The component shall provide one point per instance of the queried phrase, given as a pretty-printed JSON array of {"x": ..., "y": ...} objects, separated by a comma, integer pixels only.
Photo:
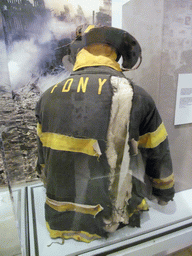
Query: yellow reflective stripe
[
  {"x": 66, "y": 143},
  {"x": 68, "y": 206},
  {"x": 39, "y": 129},
  {"x": 77, "y": 235},
  {"x": 163, "y": 183},
  {"x": 153, "y": 139},
  {"x": 143, "y": 206},
  {"x": 89, "y": 28}
]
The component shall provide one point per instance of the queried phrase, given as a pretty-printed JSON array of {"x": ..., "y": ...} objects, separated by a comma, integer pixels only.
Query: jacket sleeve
[
  {"x": 40, "y": 159},
  {"x": 153, "y": 143},
  {"x": 154, "y": 148}
]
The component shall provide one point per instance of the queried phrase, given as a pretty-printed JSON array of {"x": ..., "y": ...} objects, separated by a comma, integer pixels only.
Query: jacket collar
[{"x": 98, "y": 55}]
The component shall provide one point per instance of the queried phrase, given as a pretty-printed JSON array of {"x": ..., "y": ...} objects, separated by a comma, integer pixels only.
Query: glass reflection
[{"x": 35, "y": 64}]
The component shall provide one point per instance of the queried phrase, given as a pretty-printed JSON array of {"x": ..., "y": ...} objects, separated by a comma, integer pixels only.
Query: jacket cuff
[{"x": 164, "y": 194}]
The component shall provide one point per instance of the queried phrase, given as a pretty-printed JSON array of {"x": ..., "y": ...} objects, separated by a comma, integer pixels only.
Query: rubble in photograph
[{"x": 36, "y": 41}]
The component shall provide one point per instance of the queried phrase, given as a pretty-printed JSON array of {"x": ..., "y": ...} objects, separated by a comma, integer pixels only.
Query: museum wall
[{"x": 164, "y": 29}]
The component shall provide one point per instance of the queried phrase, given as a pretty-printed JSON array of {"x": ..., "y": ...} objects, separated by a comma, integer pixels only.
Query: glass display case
[{"x": 32, "y": 37}]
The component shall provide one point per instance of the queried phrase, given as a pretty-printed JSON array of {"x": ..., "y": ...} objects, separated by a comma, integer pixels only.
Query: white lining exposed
[{"x": 118, "y": 151}]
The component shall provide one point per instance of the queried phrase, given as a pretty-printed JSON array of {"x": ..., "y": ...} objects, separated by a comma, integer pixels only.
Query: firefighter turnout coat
[{"x": 91, "y": 128}]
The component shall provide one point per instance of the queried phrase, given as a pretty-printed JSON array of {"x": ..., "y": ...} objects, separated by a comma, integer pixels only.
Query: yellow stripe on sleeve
[
  {"x": 163, "y": 183},
  {"x": 153, "y": 139},
  {"x": 65, "y": 143}
]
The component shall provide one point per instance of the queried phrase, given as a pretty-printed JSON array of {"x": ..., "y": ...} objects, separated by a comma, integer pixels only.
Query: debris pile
[{"x": 18, "y": 134}]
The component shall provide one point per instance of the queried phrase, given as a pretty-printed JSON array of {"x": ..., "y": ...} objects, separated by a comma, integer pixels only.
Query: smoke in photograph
[
  {"x": 34, "y": 46},
  {"x": 37, "y": 34}
]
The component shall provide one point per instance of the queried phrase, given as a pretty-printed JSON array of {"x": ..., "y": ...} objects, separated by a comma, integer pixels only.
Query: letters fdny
[{"x": 81, "y": 85}]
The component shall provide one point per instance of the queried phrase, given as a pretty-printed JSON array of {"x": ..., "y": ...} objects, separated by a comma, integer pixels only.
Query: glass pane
[
  {"x": 9, "y": 238},
  {"x": 35, "y": 40}
]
